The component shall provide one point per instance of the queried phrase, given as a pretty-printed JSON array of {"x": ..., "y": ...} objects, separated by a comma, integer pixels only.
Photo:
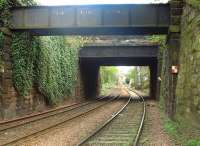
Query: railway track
[
  {"x": 9, "y": 124},
  {"x": 123, "y": 128},
  {"x": 17, "y": 130}
]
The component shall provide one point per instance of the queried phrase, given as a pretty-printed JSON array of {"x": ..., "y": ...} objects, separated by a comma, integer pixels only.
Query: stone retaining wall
[{"x": 188, "y": 87}]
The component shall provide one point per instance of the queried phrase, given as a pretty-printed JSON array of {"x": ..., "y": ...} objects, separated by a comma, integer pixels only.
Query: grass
[
  {"x": 106, "y": 88},
  {"x": 194, "y": 3},
  {"x": 173, "y": 130},
  {"x": 171, "y": 127},
  {"x": 193, "y": 142}
]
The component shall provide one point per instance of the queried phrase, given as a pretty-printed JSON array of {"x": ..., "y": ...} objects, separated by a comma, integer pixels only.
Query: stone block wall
[
  {"x": 181, "y": 91},
  {"x": 11, "y": 103},
  {"x": 188, "y": 86},
  {"x": 34, "y": 101},
  {"x": 8, "y": 99},
  {"x": 79, "y": 89},
  {"x": 171, "y": 57}
]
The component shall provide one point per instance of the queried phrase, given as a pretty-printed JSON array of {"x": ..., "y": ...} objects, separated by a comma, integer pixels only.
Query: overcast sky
[{"x": 84, "y": 2}]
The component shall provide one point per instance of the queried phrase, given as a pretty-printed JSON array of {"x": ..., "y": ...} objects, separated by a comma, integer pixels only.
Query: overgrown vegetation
[
  {"x": 23, "y": 58},
  {"x": 194, "y": 3},
  {"x": 50, "y": 63},
  {"x": 163, "y": 66},
  {"x": 173, "y": 129},
  {"x": 177, "y": 128},
  {"x": 109, "y": 78},
  {"x": 57, "y": 66},
  {"x": 139, "y": 78}
]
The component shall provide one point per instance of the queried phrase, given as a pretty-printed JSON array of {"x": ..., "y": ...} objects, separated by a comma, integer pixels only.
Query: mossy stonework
[
  {"x": 170, "y": 58},
  {"x": 183, "y": 50},
  {"x": 180, "y": 93},
  {"x": 188, "y": 87}
]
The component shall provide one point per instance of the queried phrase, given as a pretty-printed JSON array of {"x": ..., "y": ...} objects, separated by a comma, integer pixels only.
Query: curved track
[
  {"x": 120, "y": 129},
  {"x": 142, "y": 119},
  {"x": 33, "y": 127}
]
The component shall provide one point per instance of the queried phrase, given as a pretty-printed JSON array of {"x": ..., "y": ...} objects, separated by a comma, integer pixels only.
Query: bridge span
[
  {"x": 93, "y": 56},
  {"x": 123, "y": 19}
]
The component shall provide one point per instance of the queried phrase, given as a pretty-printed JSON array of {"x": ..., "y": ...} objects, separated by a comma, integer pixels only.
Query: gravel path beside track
[{"x": 153, "y": 132}]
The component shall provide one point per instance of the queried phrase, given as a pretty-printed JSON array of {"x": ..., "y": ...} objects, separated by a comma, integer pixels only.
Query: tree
[{"x": 109, "y": 77}]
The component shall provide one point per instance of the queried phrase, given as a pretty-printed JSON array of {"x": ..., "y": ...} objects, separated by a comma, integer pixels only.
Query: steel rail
[
  {"x": 139, "y": 132},
  {"x": 105, "y": 124},
  {"x": 43, "y": 115},
  {"x": 58, "y": 124},
  {"x": 115, "y": 116}
]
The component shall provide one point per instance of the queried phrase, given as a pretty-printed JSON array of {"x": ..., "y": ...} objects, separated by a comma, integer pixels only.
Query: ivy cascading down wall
[{"x": 43, "y": 69}]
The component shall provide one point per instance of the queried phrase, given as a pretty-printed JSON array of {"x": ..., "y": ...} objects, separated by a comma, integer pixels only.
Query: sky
[
  {"x": 85, "y": 2},
  {"x": 124, "y": 69}
]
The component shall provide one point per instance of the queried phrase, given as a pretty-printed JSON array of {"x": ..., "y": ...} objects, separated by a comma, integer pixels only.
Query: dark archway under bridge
[{"x": 93, "y": 56}]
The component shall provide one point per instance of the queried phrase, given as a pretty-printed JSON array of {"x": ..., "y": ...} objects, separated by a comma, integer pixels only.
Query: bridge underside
[
  {"x": 90, "y": 65},
  {"x": 126, "y": 19},
  {"x": 96, "y": 31}
]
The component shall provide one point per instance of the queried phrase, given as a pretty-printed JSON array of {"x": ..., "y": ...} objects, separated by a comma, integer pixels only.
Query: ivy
[
  {"x": 50, "y": 63},
  {"x": 23, "y": 57},
  {"x": 57, "y": 66}
]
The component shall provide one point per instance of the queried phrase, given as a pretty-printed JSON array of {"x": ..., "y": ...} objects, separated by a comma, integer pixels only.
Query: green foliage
[
  {"x": 57, "y": 66},
  {"x": 23, "y": 57},
  {"x": 163, "y": 67},
  {"x": 22, "y": 49},
  {"x": 158, "y": 39},
  {"x": 131, "y": 76},
  {"x": 27, "y": 2},
  {"x": 48, "y": 62},
  {"x": 4, "y": 12},
  {"x": 171, "y": 127},
  {"x": 194, "y": 3},
  {"x": 109, "y": 77},
  {"x": 139, "y": 78},
  {"x": 5, "y": 6},
  {"x": 193, "y": 142}
]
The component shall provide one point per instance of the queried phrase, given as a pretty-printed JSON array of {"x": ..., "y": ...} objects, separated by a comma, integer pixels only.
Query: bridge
[
  {"x": 126, "y": 19},
  {"x": 93, "y": 56}
]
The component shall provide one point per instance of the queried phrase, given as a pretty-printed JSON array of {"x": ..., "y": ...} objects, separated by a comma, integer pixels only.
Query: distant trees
[
  {"x": 109, "y": 77},
  {"x": 138, "y": 78}
]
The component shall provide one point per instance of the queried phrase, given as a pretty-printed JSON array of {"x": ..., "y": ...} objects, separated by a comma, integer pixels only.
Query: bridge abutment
[
  {"x": 12, "y": 103},
  {"x": 153, "y": 81},
  {"x": 90, "y": 79},
  {"x": 171, "y": 58},
  {"x": 9, "y": 99}
]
